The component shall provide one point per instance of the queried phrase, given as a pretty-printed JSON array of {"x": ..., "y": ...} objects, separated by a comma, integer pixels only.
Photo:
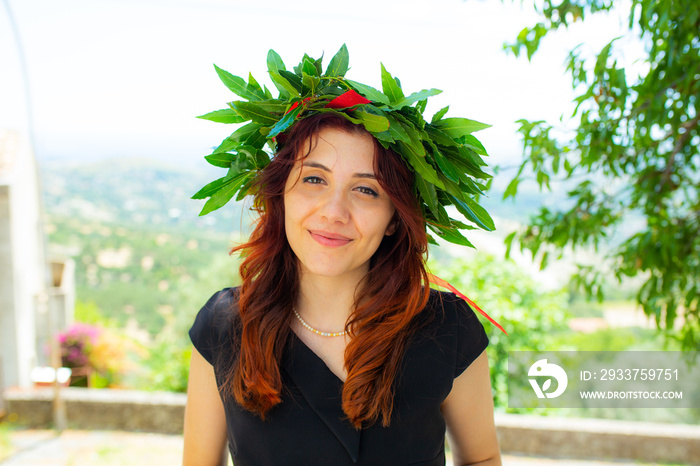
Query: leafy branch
[{"x": 640, "y": 133}]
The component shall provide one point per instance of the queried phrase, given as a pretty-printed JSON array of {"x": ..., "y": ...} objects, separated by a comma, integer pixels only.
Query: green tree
[{"x": 634, "y": 151}]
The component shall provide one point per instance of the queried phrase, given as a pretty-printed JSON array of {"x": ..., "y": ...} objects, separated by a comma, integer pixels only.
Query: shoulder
[
  {"x": 214, "y": 323},
  {"x": 220, "y": 307},
  {"x": 222, "y": 301},
  {"x": 455, "y": 321},
  {"x": 447, "y": 308}
]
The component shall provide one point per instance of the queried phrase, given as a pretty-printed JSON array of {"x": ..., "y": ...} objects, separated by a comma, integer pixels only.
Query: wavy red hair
[{"x": 385, "y": 307}]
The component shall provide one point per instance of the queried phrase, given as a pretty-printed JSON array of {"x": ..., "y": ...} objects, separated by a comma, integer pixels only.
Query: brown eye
[
  {"x": 312, "y": 180},
  {"x": 368, "y": 191}
]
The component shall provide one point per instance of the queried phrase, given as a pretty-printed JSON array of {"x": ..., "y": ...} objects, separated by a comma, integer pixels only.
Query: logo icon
[{"x": 542, "y": 368}]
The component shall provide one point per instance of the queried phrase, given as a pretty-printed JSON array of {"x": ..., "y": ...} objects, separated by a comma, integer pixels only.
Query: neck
[{"x": 326, "y": 302}]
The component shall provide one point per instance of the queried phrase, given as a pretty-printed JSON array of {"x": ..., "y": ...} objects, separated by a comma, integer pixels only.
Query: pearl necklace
[{"x": 317, "y": 332}]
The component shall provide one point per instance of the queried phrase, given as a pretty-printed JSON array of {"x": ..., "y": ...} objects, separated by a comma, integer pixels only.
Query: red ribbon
[
  {"x": 440, "y": 282},
  {"x": 296, "y": 104},
  {"x": 347, "y": 99}
]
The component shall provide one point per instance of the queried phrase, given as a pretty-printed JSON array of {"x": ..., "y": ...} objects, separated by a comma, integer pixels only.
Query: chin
[
  {"x": 326, "y": 272},
  {"x": 330, "y": 270}
]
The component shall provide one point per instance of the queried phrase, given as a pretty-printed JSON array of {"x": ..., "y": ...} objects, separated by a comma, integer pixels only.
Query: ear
[{"x": 391, "y": 228}]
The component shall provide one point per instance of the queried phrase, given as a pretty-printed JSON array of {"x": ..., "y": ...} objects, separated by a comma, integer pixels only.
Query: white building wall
[
  {"x": 59, "y": 312},
  {"x": 7, "y": 292},
  {"x": 24, "y": 274}
]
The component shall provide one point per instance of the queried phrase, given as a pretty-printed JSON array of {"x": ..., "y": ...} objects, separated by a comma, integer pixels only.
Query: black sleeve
[
  {"x": 471, "y": 337},
  {"x": 212, "y": 323}
]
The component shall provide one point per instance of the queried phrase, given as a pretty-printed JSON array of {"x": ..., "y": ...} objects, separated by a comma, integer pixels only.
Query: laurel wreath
[{"x": 443, "y": 153}]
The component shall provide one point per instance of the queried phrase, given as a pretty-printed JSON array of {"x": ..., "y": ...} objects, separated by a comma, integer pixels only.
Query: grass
[{"x": 6, "y": 447}]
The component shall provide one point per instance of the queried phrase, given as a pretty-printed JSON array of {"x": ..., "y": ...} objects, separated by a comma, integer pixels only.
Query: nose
[{"x": 334, "y": 207}]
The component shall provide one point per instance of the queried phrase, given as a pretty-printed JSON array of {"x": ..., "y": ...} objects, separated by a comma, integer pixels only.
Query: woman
[{"x": 334, "y": 350}]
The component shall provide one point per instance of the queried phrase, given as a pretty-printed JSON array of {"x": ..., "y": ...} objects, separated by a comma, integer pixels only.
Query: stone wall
[
  {"x": 130, "y": 410},
  {"x": 533, "y": 435},
  {"x": 599, "y": 438}
]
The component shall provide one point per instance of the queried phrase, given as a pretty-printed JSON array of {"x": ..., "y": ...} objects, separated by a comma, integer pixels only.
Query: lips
[{"x": 329, "y": 239}]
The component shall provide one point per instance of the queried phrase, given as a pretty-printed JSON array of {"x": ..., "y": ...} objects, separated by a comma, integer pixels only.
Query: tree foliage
[{"x": 634, "y": 153}]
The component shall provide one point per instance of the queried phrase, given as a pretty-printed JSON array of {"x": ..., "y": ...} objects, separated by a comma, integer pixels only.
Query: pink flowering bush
[
  {"x": 77, "y": 343},
  {"x": 94, "y": 353}
]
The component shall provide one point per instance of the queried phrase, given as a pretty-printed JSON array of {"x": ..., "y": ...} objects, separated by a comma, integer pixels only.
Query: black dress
[{"x": 309, "y": 427}]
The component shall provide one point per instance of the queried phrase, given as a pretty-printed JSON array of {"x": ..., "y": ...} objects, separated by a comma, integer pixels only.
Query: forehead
[{"x": 337, "y": 146}]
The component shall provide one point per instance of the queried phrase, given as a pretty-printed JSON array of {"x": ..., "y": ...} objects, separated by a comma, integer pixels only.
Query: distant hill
[
  {"x": 133, "y": 192},
  {"x": 143, "y": 256}
]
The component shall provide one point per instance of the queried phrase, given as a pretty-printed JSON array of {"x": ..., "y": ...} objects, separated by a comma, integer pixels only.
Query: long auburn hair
[{"x": 386, "y": 303}]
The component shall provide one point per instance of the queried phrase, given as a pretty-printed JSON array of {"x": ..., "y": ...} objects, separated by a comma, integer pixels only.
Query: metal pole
[{"x": 58, "y": 408}]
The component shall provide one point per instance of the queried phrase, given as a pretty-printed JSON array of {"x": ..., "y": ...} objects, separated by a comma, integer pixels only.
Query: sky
[{"x": 110, "y": 78}]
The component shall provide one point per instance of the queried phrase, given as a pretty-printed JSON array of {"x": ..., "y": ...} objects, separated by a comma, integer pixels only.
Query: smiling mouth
[{"x": 329, "y": 239}]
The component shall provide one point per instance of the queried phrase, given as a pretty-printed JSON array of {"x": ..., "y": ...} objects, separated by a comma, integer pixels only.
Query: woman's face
[{"x": 336, "y": 213}]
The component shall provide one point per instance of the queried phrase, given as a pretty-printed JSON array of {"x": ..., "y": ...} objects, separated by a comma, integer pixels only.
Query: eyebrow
[{"x": 324, "y": 168}]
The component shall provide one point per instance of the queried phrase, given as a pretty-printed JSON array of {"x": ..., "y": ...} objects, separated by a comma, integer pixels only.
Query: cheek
[
  {"x": 296, "y": 211},
  {"x": 291, "y": 228},
  {"x": 380, "y": 222},
  {"x": 288, "y": 215}
]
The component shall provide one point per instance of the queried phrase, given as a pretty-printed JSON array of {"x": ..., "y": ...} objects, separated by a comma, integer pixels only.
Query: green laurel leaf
[
  {"x": 397, "y": 131},
  {"x": 438, "y": 136},
  {"x": 391, "y": 87},
  {"x": 450, "y": 171},
  {"x": 250, "y": 111},
  {"x": 309, "y": 83},
  {"x": 244, "y": 160},
  {"x": 473, "y": 212},
  {"x": 245, "y": 133},
  {"x": 211, "y": 188},
  {"x": 308, "y": 66},
  {"x": 224, "y": 193},
  {"x": 227, "y": 144},
  {"x": 292, "y": 79},
  {"x": 439, "y": 114},
  {"x": 415, "y": 97},
  {"x": 253, "y": 84},
  {"x": 244, "y": 190},
  {"x": 474, "y": 144},
  {"x": 420, "y": 164},
  {"x": 368, "y": 91},
  {"x": 458, "y": 127},
  {"x": 372, "y": 123},
  {"x": 225, "y": 115},
  {"x": 283, "y": 85},
  {"x": 428, "y": 193},
  {"x": 416, "y": 142},
  {"x": 220, "y": 159},
  {"x": 274, "y": 62},
  {"x": 338, "y": 65},
  {"x": 452, "y": 235},
  {"x": 238, "y": 85},
  {"x": 285, "y": 122},
  {"x": 270, "y": 105}
]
